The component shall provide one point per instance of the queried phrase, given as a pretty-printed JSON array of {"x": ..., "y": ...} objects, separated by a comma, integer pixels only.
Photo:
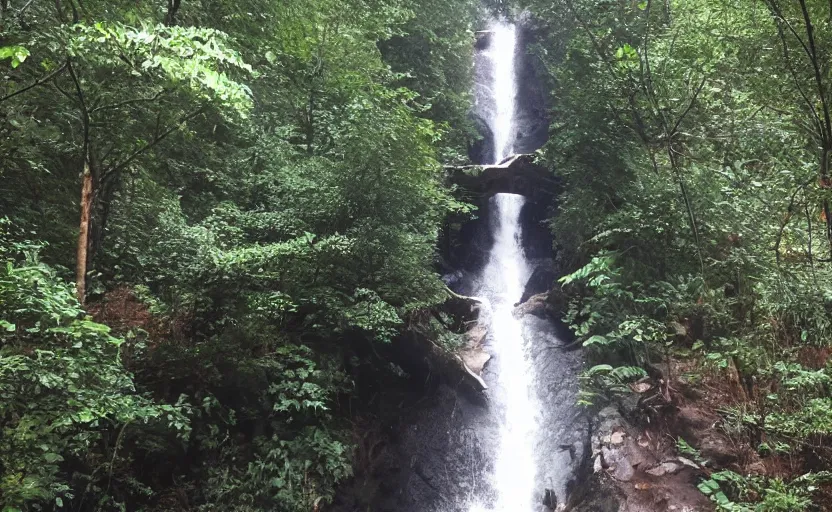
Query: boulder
[
  {"x": 458, "y": 281},
  {"x": 537, "y": 305},
  {"x": 716, "y": 447},
  {"x": 541, "y": 281},
  {"x": 452, "y": 367},
  {"x": 520, "y": 174},
  {"x": 475, "y": 359},
  {"x": 665, "y": 468}
]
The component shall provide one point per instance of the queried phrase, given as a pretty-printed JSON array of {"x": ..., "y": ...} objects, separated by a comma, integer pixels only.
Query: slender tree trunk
[
  {"x": 173, "y": 9},
  {"x": 84, "y": 232},
  {"x": 825, "y": 185}
]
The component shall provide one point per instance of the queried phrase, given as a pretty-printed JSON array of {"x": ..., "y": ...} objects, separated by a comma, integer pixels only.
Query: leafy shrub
[
  {"x": 732, "y": 492},
  {"x": 65, "y": 399}
]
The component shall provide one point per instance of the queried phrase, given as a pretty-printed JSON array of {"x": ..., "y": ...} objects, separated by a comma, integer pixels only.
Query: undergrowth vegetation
[
  {"x": 260, "y": 191},
  {"x": 693, "y": 142}
]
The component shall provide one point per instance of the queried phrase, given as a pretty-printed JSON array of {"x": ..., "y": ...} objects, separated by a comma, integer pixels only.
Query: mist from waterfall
[{"x": 503, "y": 281}]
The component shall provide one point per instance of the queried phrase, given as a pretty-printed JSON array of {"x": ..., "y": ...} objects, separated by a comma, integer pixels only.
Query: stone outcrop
[
  {"x": 461, "y": 368},
  {"x": 541, "y": 281},
  {"x": 451, "y": 366},
  {"x": 629, "y": 471},
  {"x": 519, "y": 174}
]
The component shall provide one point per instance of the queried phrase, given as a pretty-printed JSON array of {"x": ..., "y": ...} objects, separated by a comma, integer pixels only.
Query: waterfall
[
  {"x": 506, "y": 274},
  {"x": 518, "y": 445},
  {"x": 503, "y": 280},
  {"x": 501, "y": 52}
]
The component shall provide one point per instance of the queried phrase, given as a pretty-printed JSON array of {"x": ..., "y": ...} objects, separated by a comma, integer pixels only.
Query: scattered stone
[
  {"x": 617, "y": 437},
  {"x": 688, "y": 462},
  {"x": 620, "y": 465},
  {"x": 641, "y": 386},
  {"x": 541, "y": 280},
  {"x": 679, "y": 330},
  {"x": 665, "y": 468}
]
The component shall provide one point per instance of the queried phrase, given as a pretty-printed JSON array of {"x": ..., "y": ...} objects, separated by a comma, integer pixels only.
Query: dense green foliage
[
  {"x": 692, "y": 137},
  {"x": 265, "y": 187},
  {"x": 64, "y": 393}
]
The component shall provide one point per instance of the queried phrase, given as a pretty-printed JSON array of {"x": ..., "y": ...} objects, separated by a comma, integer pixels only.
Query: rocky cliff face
[{"x": 532, "y": 112}]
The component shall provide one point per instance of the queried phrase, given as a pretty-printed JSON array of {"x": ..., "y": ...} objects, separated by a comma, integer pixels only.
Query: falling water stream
[
  {"x": 503, "y": 281},
  {"x": 501, "y": 51},
  {"x": 504, "y": 277}
]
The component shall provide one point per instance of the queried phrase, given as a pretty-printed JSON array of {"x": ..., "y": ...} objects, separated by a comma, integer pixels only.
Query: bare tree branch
[
  {"x": 824, "y": 101},
  {"x": 787, "y": 57},
  {"x": 36, "y": 83},
  {"x": 690, "y": 106},
  {"x": 129, "y": 102},
  {"x": 159, "y": 138}
]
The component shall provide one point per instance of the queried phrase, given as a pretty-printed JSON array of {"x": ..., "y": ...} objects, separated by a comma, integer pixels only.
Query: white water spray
[
  {"x": 504, "y": 88},
  {"x": 504, "y": 278},
  {"x": 514, "y": 473}
]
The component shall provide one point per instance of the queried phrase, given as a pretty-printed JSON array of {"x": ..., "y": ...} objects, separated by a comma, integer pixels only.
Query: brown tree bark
[{"x": 84, "y": 233}]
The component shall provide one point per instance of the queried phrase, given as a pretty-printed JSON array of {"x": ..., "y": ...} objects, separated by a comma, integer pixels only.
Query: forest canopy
[
  {"x": 256, "y": 182},
  {"x": 692, "y": 139},
  {"x": 215, "y": 214}
]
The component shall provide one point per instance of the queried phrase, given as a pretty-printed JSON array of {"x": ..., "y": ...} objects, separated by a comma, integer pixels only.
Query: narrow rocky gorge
[{"x": 517, "y": 443}]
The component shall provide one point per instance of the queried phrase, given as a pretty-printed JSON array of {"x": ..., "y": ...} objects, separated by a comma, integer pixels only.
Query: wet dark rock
[
  {"x": 532, "y": 119},
  {"x": 630, "y": 407},
  {"x": 458, "y": 281},
  {"x": 481, "y": 149},
  {"x": 464, "y": 309},
  {"x": 450, "y": 366},
  {"x": 431, "y": 460},
  {"x": 563, "y": 439},
  {"x": 521, "y": 174},
  {"x": 473, "y": 246},
  {"x": 537, "y": 238},
  {"x": 537, "y": 305},
  {"x": 550, "y": 499},
  {"x": 541, "y": 281}
]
